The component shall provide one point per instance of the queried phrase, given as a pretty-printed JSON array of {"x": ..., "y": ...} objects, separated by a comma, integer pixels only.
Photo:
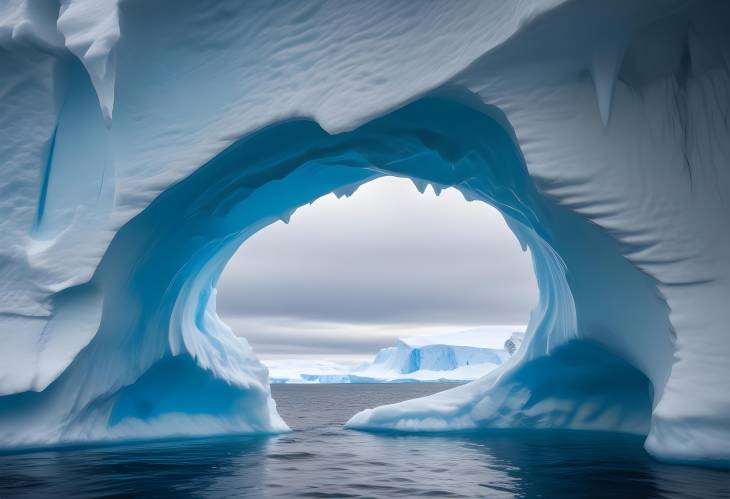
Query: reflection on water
[{"x": 320, "y": 459}]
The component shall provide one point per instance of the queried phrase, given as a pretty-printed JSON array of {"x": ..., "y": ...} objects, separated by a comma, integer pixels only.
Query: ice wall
[{"x": 145, "y": 141}]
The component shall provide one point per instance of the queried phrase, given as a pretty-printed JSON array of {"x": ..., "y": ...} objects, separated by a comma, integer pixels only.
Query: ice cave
[{"x": 144, "y": 142}]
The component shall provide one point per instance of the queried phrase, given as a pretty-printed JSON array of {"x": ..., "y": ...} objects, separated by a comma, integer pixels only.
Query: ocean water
[{"x": 321, "y": 459}]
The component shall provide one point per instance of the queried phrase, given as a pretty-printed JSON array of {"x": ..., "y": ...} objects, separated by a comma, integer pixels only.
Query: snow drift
[{"x": 143, "y": 142}]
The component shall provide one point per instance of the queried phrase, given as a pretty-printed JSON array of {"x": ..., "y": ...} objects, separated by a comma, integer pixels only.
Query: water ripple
[{"x": 321, "y": 459}]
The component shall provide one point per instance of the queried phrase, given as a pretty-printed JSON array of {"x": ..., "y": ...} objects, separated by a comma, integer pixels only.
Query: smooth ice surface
[{"x": 143, "y": 143}]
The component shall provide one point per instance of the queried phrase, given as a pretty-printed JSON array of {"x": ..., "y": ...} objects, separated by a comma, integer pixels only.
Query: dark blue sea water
[{"x": 321, "y": 459}]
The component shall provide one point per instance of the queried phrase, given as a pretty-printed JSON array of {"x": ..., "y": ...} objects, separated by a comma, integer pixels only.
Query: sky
[{"x": 346, "y": 277}]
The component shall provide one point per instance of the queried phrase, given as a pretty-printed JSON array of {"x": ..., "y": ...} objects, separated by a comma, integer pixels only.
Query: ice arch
[
  {"x": 162, "y": 362},
  {"x": 620, "y": 111}
]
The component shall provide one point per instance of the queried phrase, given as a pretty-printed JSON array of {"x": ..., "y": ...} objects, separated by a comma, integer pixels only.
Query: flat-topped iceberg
[
  {"x": 461, "y": 356},
  {"x": 451, "y": 357}
]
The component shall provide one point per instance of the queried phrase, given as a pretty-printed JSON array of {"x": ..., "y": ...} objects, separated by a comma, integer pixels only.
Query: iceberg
[
  {"x": 461, "y": 356},
  {"x": 144, "y": 142},
  {"x": 451, "y": 357},
  {"x": 307, "y": 371}
]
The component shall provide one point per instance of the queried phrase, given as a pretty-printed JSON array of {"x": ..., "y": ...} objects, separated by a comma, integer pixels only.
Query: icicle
[
  {"x": 287, "y": 216},
  {"x": 420, "y": 185},
  {"x": 605, "y": 66},
  {"x": 346, "y": 191}
]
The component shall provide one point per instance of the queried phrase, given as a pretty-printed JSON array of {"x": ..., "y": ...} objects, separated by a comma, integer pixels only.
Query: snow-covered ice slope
[{"x": 144, "y": 141}]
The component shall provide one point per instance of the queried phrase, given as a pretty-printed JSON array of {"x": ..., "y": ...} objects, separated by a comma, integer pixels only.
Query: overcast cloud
[{"x": 348, "y": 276}]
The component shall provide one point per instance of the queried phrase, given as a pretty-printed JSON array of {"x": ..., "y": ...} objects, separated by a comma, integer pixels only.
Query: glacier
[
  {"x": 144, "y": 142},
  {"x": 447, "y": 357}
]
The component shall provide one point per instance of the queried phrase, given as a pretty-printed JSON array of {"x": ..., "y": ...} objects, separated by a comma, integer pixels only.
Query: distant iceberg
[
  {"x": 307, "y": 371},
  {"x": 451, "y": 357},
  {"x": 461, "y": 356}
]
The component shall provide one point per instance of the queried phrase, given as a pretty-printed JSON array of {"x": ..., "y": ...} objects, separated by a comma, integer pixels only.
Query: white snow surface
[{"x": 619, "y": 111}]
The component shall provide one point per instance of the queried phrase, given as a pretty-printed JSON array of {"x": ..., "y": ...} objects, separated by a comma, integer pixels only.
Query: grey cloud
[
  {"x": 273, "y": 336},
  {"x": 386, "y": 255}
]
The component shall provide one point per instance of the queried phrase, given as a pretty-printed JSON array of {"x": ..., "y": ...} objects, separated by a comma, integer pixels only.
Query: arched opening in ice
[
  {"x": 386, "y": 285},
  {"x": 162, "y": 362}
]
